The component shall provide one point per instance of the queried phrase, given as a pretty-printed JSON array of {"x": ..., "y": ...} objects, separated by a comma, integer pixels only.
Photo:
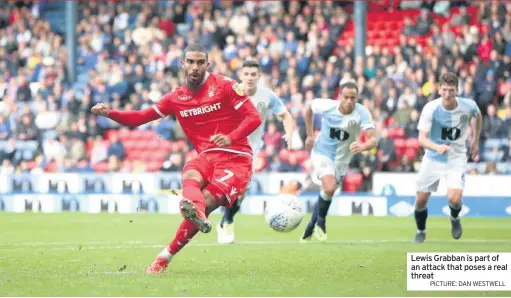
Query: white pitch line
[
  {"x": 110, "y": 273},
  {"x": 63, "y": 243},
  {"x": 140, "y": 244}
]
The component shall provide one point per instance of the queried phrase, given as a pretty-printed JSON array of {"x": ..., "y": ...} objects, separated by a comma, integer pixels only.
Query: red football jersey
[{"x": 210, "y": 110}]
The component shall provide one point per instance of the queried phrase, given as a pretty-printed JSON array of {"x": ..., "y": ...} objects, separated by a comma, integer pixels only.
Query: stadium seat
[
  {"x": 411, "y": 153},
  {"x": 284, "y": 155},
  {"x": 123, "y": 133},
  {"x": 51, "y": 167},
  {"x": 396, "y": 132},
  {"x": 413, "y": 143},
  {"x": 301, "y": 156},
  {"x": 130, "y": 144},
  {"x": 352, "y": 182},
  {"x": 31, "y": 164},
  {"x": 182, "y": 144},
  {"x": 399, "y": 144},
  {"x": 147, "y": 157},
  {"x": 100, "y": 167},
  {"x": 153, "y": 167},
  {"x": 153, "y": 144},
  {"x": 160, "y": 154}
]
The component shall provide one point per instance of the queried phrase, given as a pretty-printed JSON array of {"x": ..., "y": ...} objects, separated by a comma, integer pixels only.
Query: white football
[{"x": 284, "y": 213}]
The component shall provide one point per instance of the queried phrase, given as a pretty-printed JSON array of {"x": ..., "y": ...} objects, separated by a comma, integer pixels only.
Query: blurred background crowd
[{"x": 128, "y": 56}]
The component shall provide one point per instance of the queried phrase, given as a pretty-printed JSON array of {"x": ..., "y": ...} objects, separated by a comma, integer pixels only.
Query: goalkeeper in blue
[{"x": 333, "y": 149}]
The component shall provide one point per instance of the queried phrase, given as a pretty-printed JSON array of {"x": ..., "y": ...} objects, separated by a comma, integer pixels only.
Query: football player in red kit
[{"x": 217, "y": 117}]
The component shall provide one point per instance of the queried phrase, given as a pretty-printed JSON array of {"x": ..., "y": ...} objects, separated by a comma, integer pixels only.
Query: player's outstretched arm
[{"x": 126, "y": 118}]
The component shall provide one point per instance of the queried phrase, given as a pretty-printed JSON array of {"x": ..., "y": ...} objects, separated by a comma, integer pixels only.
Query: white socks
[{"x": 166, "y": 254}]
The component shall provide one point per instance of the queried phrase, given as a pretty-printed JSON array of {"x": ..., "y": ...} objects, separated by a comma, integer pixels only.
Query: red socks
[
  {"x": 184, "y": 234},
  {"x": 187, "y": 229},
  {"x": 192, "y": 192}
]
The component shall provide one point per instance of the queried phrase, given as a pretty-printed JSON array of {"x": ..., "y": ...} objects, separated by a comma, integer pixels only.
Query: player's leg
[
  {"x": 225, "y": 229},
  {"x": 455, "y": 204},
  {"x": 323, "y": 174},
  {"x": 193, "y": 204},
  {"x": 455, "y": 180},
  {"x": 193, "y": 208},
  {"x": 231, "y": 176},
  {"x": 421, "y": 215},
  {"x": 186, "y": 231},
  {"x": 229, "y": 213},
  {"x": 226, "y": 226},
  {"x": 428, "y": 180},
  {"x": 328, "y": 187}
]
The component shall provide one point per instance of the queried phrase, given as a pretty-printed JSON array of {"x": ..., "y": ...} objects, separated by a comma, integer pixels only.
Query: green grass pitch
[{"x": 106, "y": 255}]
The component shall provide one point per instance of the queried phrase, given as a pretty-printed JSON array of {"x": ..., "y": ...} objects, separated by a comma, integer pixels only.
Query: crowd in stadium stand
[{"x": 128, "y": 56}]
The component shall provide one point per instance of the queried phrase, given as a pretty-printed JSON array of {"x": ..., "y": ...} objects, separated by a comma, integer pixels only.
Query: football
[{"x": 284, "y": 213}]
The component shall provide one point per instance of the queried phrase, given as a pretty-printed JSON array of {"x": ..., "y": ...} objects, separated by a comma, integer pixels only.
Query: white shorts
[
  {"x": 322, "y": 166},
  {"x": 430, "y": 173}
]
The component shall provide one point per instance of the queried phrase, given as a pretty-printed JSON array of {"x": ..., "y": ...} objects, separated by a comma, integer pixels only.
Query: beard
[{"x": 194, "y": 80}]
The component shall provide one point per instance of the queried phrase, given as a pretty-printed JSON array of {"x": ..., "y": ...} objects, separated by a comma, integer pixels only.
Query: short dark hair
[
  {"x": 195, "y": 47},
  {"x": 349, "y": 85},
  {"x": 251, "y": 63},
  {"x": 449, "y": 79}
]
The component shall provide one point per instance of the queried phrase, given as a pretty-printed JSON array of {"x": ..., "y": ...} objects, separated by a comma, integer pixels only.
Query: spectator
[
  {"x": 388, "y": 152},
  {"x": 461, "y": 18},
  {"x": 491, "y": 124},
  {"x": 486, "y": 91},
  {"x": 77, "y": 150},
  {"x": 491, "y": 168},
  {"x": 6, "y": 168},
  {"x": 424, "y": 22},
  {"x": 406, "y": 165},
  {"x": 53, "y": 149},
  {"x": 273, "y": 137},
  {"x": 368, "y": 163},
  {"x": 114, "y": 164},
  {"x": 411, "y": 130},
  {"x": 505, "y": 127},
  {"x": 289, "y": 166},
  {"x": 130, "y": 56},
  {"x": 174, "y": 162},
  {"x": 99, "y": 151},
  {"x": 402, "y": 115},
  {"x": 27, "y": 129},
  {"x": 409, "y": 27},
  {"x": 5, "y": 129},
  {"x": 83, "y": 166},
  {"x": 116, "y": 147}
]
